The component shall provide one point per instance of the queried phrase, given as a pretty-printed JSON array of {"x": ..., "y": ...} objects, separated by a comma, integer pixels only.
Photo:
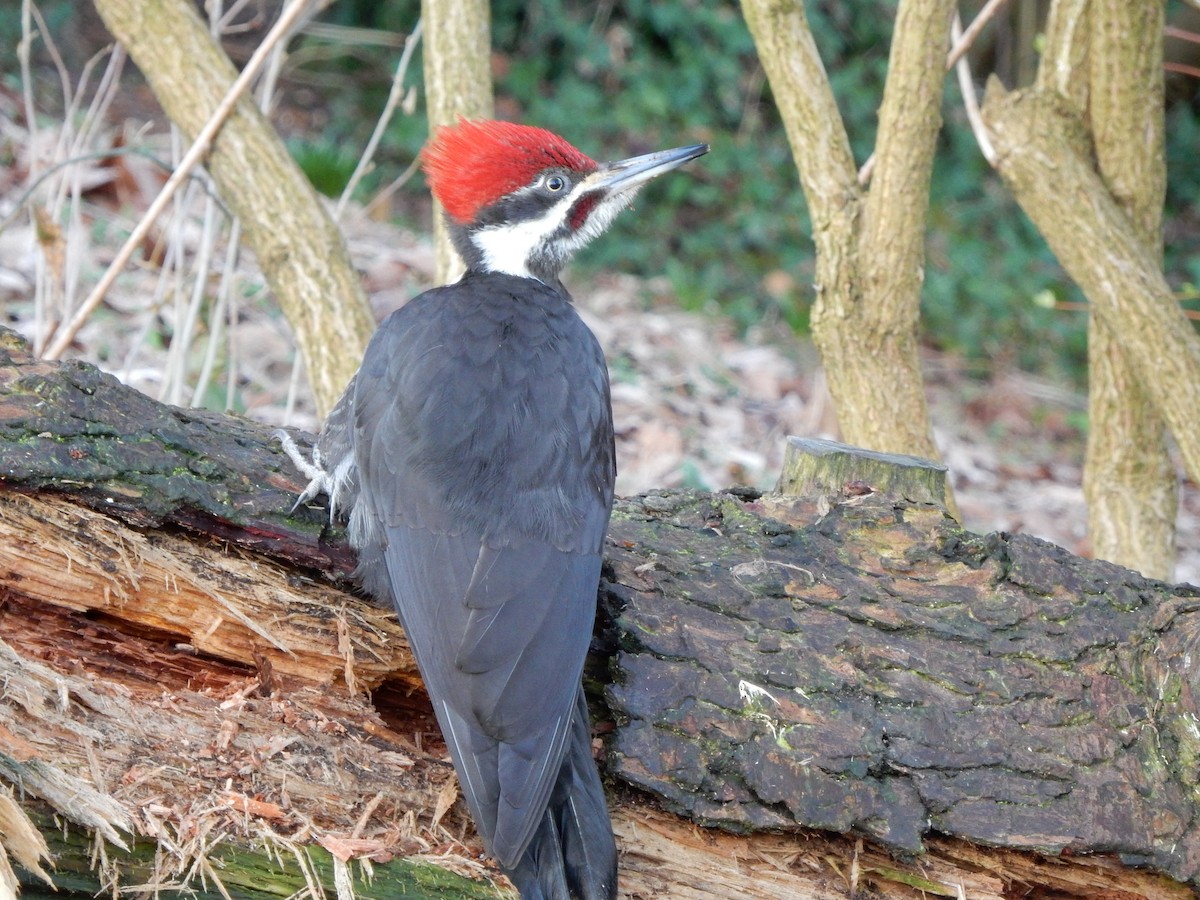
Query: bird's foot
[{"x": 319, "y": 480}]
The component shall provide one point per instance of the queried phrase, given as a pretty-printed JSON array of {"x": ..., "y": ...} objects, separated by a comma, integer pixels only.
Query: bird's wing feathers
[
  {"x": 504, "y": 725},
  {"x": 506, "y": 666},
  {"x": 483, "y": 442}
]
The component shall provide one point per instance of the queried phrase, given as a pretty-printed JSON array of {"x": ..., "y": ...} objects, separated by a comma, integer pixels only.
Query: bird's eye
[{"x": 555, "y": 183}]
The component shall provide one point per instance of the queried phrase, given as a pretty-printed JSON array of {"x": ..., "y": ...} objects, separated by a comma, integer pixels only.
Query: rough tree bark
[
  {"x": 1129, "y": 476},
  {"x": 182, "y": 678},
  {"x": 299, "y": 248},
  {"x": 1044, "y": 155},
  {"x": 1104, "y": 59},
  {"x": 870, "y": 243},
  {"x": 458, "y": 84}
]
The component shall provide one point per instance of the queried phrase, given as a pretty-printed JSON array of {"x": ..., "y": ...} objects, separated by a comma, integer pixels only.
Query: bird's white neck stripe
[{"x": 508, "y": 248}]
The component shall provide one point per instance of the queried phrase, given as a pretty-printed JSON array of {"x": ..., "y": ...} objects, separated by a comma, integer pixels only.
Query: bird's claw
[{"x": 319, "y": 480}]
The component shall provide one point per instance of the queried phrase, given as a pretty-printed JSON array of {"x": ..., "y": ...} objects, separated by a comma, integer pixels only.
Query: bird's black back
[{"x": 482, "y": 448}]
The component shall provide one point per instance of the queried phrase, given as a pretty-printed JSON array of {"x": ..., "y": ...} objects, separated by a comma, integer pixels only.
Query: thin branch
[
  {"x": 395, "y": 96},
  {"x": 962, "y": 43},
  {"x": 64, "y": 76},
  {"x": 190, "y": 160},
  {"x": 24, "y": 50},
  {"x": 1182, "y": 33},
  {"x": 966, "y": 87},
  {"x": 1182, "y": 69},
  {"x": 106, "y": 153},
  {"x": 397, "y": 183}
]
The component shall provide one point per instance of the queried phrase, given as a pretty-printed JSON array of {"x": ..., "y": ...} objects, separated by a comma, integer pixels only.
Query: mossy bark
[
  {"x": 1044, "y": 153},
  {"x": 244, "y": 872},
  {"x": 1129, "y": 475},
  {"x": 299, "y": 248},
  {"x": 1102, "y": 67}
]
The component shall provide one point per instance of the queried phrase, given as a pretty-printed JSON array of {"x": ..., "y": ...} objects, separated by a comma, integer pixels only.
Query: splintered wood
[
  {"x": 213, "y": 599},
  {"x": 150, "y": 754}
]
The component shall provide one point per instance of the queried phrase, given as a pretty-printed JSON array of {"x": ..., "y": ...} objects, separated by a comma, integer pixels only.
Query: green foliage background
[
  {"x": 731, "y": 233},
  {"x": 619, "y": 78}
]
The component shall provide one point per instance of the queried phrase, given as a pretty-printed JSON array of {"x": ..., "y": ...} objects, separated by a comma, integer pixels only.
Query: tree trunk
[
  {"x": 458, "y": 84},
  {"x": 870, "y": 244},
  {"x": 299, "y": 248},
  {"x": 1043, "y": 153},
  {"x": 1103, "y": 63},
  {"x": 182, "y": 678},
  {"x": 1129, "y": 476}
]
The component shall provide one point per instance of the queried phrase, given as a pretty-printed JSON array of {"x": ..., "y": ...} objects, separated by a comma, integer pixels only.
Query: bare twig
[
  {"x": 966, "y": 87},
  {"x": 398, "y": 182},
  {"x": 1182, "y": 69},
  {"x": 221, "y": 312},
  {"x": 962, "y": 43},
  {"x": 192, "y": 158},
  {"x": 85, "y": 136},
  {"x": 175, "y": 373},
  {"x": 1182, "y": 33},
  {"x": 56, "y": 57},
  {"x": 395, "y": 96},
  {"x": 966, "y": 40},
  {"x": 105, "y": 153},
  {"x": 24, "y": 49}
]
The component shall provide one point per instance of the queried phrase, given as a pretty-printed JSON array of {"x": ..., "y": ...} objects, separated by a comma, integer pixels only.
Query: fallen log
[{"x": 852, "y": 694}]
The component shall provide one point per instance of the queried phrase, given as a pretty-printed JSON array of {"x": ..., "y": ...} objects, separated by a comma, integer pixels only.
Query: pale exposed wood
[
  {"x": 148, "y": 754},
  {"x": 299, "y": 248},
  {"x": 820, "y": 468},
  {"x": 152, "y": 746},
  {"x": 214, "y": 599},
  {"x": 20, "y": 842},
  {"x": 766, "y": 666},
  {"x": 1084, "y": 876},
  {"x": 666, "y": 858}
]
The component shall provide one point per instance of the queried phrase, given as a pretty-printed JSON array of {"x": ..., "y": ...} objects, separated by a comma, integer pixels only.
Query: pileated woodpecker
[{"x": 473, "y": 451}]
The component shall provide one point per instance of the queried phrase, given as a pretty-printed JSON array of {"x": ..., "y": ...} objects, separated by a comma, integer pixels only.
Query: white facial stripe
[{"x": 507, "y": 248}]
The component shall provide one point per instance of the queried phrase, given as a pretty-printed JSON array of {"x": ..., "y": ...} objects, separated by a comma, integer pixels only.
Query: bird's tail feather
[{"x": 572, "y": 855}]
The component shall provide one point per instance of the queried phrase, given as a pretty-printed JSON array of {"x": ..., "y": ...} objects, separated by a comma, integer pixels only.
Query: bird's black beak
[{"x": 629, "y": 174}]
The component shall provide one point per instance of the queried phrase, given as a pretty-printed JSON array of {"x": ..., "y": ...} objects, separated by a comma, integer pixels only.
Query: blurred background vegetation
[{"x": 619, "y": 77}]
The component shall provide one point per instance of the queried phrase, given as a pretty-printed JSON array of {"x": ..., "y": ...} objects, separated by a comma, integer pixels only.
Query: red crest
[{"x": 474, "y": 163}]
